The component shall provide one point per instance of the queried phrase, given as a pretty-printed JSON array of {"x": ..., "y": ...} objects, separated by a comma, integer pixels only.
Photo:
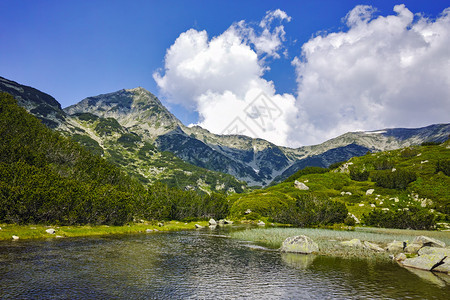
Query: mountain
[
  {"x": 123, "y": 124},
  {"x": 137, "y": 109},
  {"x": 40, "y": 104},
  {"x": 102, "y": 134}
]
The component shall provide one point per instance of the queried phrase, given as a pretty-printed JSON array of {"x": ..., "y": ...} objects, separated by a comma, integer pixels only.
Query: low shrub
[
  {"x": 393, "y": 180},
  {"x": 414, "y": 218},
  {"x": 359, "y": 175}
]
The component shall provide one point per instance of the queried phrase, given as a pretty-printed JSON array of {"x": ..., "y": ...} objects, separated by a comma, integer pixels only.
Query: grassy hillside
[{"x": 404, "y": 188}]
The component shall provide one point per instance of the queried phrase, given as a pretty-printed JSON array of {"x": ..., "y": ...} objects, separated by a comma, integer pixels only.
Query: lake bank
[
  {"x": 329, "y": 241},
  {"x": 7, "y": 231}
]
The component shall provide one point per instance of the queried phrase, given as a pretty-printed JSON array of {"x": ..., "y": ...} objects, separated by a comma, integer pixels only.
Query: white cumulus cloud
[
  {"x": 382, "y": 71},
  {"x": 221, "y": 78},
  {"x": 391, "y": 71}
]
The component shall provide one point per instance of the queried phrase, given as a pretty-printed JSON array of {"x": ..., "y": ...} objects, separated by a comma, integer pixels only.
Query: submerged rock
[{"x": 299, "y": 244}]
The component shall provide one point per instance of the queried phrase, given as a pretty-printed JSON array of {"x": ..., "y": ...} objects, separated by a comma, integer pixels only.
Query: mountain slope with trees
[
  {"x": 48, "y": 178},
  {"x": 404, "y": 188}
]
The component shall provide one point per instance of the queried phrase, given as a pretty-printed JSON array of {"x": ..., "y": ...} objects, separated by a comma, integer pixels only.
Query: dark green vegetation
[
  {"x": 47, "y": 178},
  {"x": 405, "y": 188}
]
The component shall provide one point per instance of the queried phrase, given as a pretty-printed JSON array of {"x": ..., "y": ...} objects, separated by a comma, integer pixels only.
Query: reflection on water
[{"x": 197, "y": 264}]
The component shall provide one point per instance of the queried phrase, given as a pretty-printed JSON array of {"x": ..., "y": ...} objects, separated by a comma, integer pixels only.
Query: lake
[{"x": 196, "y": 264}]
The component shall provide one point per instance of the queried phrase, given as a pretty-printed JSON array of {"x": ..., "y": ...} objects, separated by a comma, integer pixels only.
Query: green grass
[
  {"x": 38, "y": 231},
  {"x": 328, "y": 239}
]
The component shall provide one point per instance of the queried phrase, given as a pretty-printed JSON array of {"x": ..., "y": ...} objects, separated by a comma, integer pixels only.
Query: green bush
[
  {"x": 336, "y": 165},
  {"x": 129, "y": 140},
  {"x": 359, "y": 175},
  {"x": 415, "y": 218},
  {"x": 398, "y": 179},
  {"x": 443, "y": 165},
  {"x": 383, "y": 163},
  {"x": 306, "y": 171},
  {"x": 316, "y": 210}
]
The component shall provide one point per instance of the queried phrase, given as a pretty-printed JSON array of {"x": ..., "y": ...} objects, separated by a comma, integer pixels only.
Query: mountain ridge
[{"x": 140, "y": 115}]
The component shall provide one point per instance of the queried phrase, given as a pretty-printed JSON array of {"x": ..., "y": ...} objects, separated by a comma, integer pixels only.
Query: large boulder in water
[{"x": 299, "y": 244}]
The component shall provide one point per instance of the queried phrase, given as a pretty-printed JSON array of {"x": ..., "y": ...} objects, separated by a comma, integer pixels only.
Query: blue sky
[{"x": 76, "y": 49}]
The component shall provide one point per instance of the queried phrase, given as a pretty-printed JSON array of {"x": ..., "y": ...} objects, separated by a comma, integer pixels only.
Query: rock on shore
[{"x": 299, "y": 244}]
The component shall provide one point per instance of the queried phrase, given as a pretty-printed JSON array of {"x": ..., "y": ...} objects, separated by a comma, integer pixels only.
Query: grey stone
[
  {"x": 413, "y": 248},
  {"x": 15, "y": 237},
  {"x": 353, "y": 243},
  {"x": 445, "y": 267},
  {"x": 198, "y": 226},
  {"x": 424, "y": 262},
  {"x": 50, "y": 231},
  {"x": 370, "y": 191},
  {"x": 299, "y": 244},
  {"x": 212, "y": 222},
  {"x": 400, "y": 257},
  {"x": 434, "y": 250},
  {"x": 395, "y": 246},
  {"x": 261, "y": 223},
  {"x": 372, "y": 246},
  {"x": 427, "y": 241},
  {"x": 301, "y": 186}
]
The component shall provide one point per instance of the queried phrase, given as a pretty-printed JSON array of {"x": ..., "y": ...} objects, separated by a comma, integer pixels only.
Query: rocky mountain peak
[{"x": 136, "y": 109}]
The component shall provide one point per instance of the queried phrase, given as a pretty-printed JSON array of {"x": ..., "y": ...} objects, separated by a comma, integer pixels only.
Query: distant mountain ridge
[{"x": 143, "y": 119}]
